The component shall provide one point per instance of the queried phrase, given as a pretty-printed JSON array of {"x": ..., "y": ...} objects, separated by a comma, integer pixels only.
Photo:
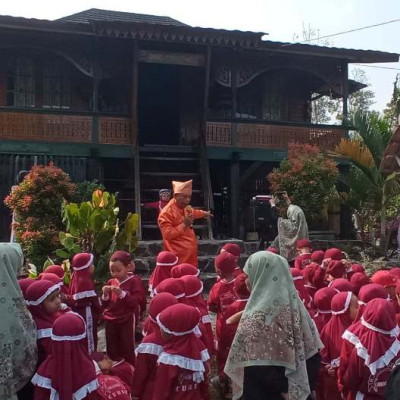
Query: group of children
[
  {"x": 172, "y": 360},
  {"x": 356, "y": 318}
]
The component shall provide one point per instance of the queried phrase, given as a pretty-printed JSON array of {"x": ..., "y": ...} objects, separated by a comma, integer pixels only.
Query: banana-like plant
[
  {"x": 369, "y": 187},
  {"x": 93, "y": 226}
]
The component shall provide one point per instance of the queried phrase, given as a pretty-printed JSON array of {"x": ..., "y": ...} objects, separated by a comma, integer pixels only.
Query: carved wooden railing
[
  {"x": 270, "y": 136},
  {"x": 57, "y": 127},
  {"x": 115, "y": 130}
]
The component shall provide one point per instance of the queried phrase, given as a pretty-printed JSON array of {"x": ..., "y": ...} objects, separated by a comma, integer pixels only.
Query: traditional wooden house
[{"x": 138, "y": 100}]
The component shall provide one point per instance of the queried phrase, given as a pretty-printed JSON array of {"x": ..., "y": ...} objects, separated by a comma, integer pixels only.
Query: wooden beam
[
  {"x": 168, "y": 57},
  {"x": 135, "y": 133},
  {"x": 234, "y": 83},
  {"x": 235, "y": 194},
  {"x": 345, "y": 82}
]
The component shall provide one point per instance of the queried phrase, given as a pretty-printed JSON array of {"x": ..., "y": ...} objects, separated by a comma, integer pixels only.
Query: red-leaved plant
[
  {"x": 36, "y": 205},
  {"x": 308, "y": 176}
]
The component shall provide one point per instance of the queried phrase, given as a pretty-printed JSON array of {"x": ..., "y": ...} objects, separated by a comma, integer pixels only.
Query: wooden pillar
[
  {"x": 134, "y": 131},
  {"x": 235, "y": 194},
  {"x": 234, "y": 83},
  {"x": 345, "y": 84}
]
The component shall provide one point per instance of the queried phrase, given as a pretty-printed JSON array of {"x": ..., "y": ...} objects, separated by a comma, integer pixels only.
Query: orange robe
[{"x": 178, "y": 238}]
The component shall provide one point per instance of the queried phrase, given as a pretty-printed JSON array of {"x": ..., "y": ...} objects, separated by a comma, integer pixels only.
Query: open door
[{"x": 158, "y": 104}]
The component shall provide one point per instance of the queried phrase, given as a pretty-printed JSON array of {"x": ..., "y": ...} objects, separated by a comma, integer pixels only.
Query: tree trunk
[{"x": 382, "y": 238}]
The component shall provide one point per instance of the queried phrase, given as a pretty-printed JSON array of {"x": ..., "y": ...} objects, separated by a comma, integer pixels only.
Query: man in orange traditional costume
[{"x": 176, "y": 223}]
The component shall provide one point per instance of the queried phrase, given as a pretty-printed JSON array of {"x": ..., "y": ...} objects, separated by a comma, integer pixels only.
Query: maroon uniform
[{"x": 119, "y": 316}]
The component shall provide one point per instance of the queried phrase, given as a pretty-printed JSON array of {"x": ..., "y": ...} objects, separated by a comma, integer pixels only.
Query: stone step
[{"x": 147, "y": 251}]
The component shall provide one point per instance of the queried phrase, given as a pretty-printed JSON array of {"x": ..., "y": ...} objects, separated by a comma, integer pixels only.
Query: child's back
[{"x": 182, "y": 369}]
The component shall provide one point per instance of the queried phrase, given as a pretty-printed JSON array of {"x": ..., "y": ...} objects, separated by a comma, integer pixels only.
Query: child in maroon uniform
[
  {"x": 304, "y": 248},
  {"x": 121, "y": 369},
  {"x": 82, "y": 297},
  {"x": 181, "y": 372},
  {"x": 68, "y": 372},
  {"x": 322, "y": 302},
  {"x": 317, "y": 256},
  {"x": 193, "y": 297},
  {"x": 140, "y": 294},
  {"x": 376, "y": 349},
  {"x": 235, "y": 250},
  {"x": 149, "y": 350},
  {"x": 121, "y": 301},
  {"x": 222, "y": 294},
  {"x": 44, "y": 304},
  {"x": 229, "y": 330},
  {"x": 165, "y": 262}
]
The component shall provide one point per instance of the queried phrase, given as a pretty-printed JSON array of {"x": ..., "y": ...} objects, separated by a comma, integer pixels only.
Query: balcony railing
[
  {"x": 272, "y": 136},
  {"x": 57, "y": 127}
]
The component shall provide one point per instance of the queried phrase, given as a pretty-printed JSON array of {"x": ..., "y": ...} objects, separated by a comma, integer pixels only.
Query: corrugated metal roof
[{"x": 95, "y": 14}]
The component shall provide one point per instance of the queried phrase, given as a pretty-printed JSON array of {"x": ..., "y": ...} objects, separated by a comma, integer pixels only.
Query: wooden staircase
[{"x": 158, "y": 167}]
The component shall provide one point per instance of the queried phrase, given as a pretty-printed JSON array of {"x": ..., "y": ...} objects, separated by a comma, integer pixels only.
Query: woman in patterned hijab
[
  {"x": 18, "y": 354},
  {"x": 276, "y": 346}
]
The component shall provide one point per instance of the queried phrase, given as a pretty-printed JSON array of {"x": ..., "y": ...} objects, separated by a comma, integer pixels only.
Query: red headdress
[
  {"x": 184, "y": 269},
  {"x": 368, "y": 293},
  {"x": 173, "y": 286},
  {"x": 384, "y": 278},
  {"x": 193, "y": 290},
  {"x": 341, "y": 285},
  {"x": 304, "y": 243},
  {"x": 165, "y": 262},
  {"x": 272, "y": 249},
  {"x": 395, "y": 272},
  {"x": 233, "y": 249},
  {"x": 184, "y": 350},
  {"x": 322, "y": 301},
  {"x": 122, "y": 256},
  {"x": 331, "y": 334},
  {"x": 225, "y": 262},
  {"x": 48, "y": 276},
  {"x": 358, "y": 280},
  {"x": 334, "y": 254},
  {"x": 152, "y": 342},
  {"x": 56, "y": 269},
  {"x": 317, "y": 256},
  {"x": 298, "y": 281},
  {"x": 240, "y": 286},
  {"x": 375, "y": 336},
  {"x": 82, "y": 285},
  {"x": 336, "y": 269},
  {"x": 24, "y": 284},
  {"x": 68, "y": 372},
  {"x": 354, "y": 269},
  {"x": 36, "y": 294}
]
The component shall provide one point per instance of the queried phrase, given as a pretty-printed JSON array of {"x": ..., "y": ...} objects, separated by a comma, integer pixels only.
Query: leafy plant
[
  {"x": 36, "y": 204},
  {"x": 309, "y": 177},
  {"x": 93, "y": 226},
  {"x": 370, "y": 190},
  {"x": 85, "y": 189}
]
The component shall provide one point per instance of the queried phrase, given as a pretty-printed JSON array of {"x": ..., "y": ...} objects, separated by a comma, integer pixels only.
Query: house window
[
  {"x": 56, "y": 85},
  {"x": 21, "y": 83},
  {"x": 275, "y": 98}
]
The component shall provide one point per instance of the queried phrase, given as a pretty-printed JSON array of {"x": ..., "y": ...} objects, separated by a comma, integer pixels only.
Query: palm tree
[{"x": 369, "y": 187}]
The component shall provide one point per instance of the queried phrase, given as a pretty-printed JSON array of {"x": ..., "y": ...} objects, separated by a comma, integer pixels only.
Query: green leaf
[
  {"x": 85, "y": 211},
  {"x": 62, "y": 254}
]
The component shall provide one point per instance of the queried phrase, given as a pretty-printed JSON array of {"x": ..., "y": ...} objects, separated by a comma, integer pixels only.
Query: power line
[
  {"x": 377, "y": 66},
  {"x": 344, "y": 32}
]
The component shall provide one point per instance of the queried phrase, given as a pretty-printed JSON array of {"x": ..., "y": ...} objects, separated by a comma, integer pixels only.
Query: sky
[{"x": 283, "y": 20}]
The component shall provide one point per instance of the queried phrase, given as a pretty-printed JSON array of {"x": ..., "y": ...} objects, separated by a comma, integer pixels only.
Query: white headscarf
[
  {"x": 18, "y": 355},
  {"x": 275, "y": 328},
  {"x": 291, "y": 230}
]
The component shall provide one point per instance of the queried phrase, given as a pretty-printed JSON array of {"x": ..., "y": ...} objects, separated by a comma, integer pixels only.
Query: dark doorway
[{"x": 158, "y": 104}]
